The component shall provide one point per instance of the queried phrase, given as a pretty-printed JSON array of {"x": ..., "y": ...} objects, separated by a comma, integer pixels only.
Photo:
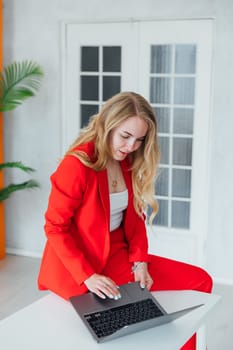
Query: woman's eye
[{"x": 125, "y": 136}]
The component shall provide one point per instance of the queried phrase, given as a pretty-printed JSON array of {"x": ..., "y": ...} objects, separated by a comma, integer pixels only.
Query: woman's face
[{"x": 127, "y": 137}]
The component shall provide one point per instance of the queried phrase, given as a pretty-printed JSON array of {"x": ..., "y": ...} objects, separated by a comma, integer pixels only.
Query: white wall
[{"x": 32, "y": 30}]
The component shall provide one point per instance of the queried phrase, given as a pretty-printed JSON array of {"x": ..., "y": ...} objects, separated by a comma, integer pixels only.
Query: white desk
[{"x": 51, "y": 323}]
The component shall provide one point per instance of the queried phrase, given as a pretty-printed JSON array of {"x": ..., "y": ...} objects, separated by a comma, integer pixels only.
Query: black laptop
[{"x": 137, "y": 310}]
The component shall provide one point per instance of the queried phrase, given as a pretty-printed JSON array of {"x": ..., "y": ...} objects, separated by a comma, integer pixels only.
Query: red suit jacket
[{"x": 77, "y": 226}]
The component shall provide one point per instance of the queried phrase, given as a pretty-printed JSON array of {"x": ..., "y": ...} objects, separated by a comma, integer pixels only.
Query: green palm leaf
[
  {"x": 18, "y": 81},
  {"x": 6, "y": 192},
  {"x": 18, "y": 165}
]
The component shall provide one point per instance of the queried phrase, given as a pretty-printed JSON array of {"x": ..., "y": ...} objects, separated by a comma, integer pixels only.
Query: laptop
[{"x": 137, "y": 310}]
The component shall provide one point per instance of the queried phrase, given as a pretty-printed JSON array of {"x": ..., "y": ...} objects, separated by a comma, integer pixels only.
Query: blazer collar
[{"x": 104, "y": 192}]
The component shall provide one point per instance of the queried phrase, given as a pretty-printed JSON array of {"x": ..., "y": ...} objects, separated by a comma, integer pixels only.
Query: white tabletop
[{"x": 51, "y": 323}]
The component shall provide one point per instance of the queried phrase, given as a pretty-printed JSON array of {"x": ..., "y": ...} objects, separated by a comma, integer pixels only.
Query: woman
[{"x": 95, "y": 221}]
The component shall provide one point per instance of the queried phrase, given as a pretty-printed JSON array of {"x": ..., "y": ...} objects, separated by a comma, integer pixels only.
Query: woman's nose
[{"x": 130, "y": 145}]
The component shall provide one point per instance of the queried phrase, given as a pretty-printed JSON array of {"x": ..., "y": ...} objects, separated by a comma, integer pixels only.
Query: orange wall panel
[{"x": 2, "y": 224}]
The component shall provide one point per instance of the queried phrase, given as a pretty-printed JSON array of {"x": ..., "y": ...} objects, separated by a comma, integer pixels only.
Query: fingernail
[
  {"x": 111, "y": 296},
  {"x": 143, "y": 286}
]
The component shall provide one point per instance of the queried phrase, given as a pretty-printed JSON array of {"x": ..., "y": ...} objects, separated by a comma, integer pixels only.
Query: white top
[{"x": 118, "y": 203}]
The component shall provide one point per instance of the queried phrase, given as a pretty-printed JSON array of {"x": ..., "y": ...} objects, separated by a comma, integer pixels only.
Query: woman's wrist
[{"x": 137, "y": 264}]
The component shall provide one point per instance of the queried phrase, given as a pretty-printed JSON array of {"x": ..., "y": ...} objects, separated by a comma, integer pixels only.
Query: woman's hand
[
  {"x": 102, "y": 286},
  {"x": 142, "y": 275}
]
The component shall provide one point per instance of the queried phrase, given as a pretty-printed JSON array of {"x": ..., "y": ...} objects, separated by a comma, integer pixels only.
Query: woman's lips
[{"x": 124, "y": 154}]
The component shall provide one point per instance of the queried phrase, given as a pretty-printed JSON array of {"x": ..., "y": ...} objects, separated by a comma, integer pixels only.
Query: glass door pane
[
  {"x": 100, "y": 78},
  {"x": 172, "y": 91}
]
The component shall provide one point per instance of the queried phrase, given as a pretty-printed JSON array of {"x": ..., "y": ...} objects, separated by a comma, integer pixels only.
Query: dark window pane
[
  {"x": 184, "y": 91},
  {"x": 164, "y": 149},
  {"x": 89, "y": 88},
  {"x": 163, "y": 119},
  {"x": 161, "y": 185},
  {"x": 185, "y": 59},
  {"x": 181, "y": 183},
  {"x": 112, "y": 59},
  {"x": 89, "y": 59},
  {"x": 183, "y": 121},
  {"x": 160, "y": 90},
  {"x": 180, "y": 214},
  {"x": 161, "y": 58},
  {"x": 111, "y": 86},
  {"x": 182, "y": 151},
  {"x": 86, "y": 112}
]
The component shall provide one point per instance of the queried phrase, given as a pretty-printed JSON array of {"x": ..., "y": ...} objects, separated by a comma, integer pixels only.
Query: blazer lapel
[
  {"x": 104, "y": 196},
  {"x": 104, "y": 192}
]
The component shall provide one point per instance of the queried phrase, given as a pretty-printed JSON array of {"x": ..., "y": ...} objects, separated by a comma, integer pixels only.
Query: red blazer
[{"x": 77, "y": 226}]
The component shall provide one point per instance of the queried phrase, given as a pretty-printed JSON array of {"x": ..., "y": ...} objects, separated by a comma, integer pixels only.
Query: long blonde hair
[{"x": 144, "y": 161}]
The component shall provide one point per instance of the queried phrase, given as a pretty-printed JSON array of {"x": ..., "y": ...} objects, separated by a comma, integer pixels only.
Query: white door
[
  {"x": 175, "y": 58},
  {"x": 169, "y": 62}
]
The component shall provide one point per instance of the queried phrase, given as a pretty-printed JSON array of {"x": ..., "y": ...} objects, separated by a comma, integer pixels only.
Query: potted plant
[{"x": 18, "y": 81}]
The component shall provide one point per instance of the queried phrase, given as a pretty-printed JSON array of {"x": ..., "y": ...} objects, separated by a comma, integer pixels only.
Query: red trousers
[{"x": 167, "y": 274}]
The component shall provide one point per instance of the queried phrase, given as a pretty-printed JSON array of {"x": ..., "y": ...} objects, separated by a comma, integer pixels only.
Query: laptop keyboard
[{"x": 107, "y": 322}]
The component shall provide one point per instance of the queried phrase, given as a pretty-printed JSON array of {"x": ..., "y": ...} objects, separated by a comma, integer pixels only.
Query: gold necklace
[
  {"x": 114, "y": 184},
  {"x": 113, "y": 180}
]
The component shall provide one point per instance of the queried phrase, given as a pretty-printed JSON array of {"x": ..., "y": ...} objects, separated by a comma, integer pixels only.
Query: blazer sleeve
[{"x": 68, "y": 185}]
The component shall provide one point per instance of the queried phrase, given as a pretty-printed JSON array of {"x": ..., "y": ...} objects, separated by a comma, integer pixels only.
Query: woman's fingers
[
  {"x": 146, "y": 283},
  {"x": 149, "y": 283},
  {"x": 102, "y": 286},
  {"x": 142, "y": 275},
  {"x": 111, "y": 290}
]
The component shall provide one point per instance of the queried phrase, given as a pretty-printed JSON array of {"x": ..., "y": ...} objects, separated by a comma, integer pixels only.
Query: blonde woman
[{"x": 95, "y": 221}]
